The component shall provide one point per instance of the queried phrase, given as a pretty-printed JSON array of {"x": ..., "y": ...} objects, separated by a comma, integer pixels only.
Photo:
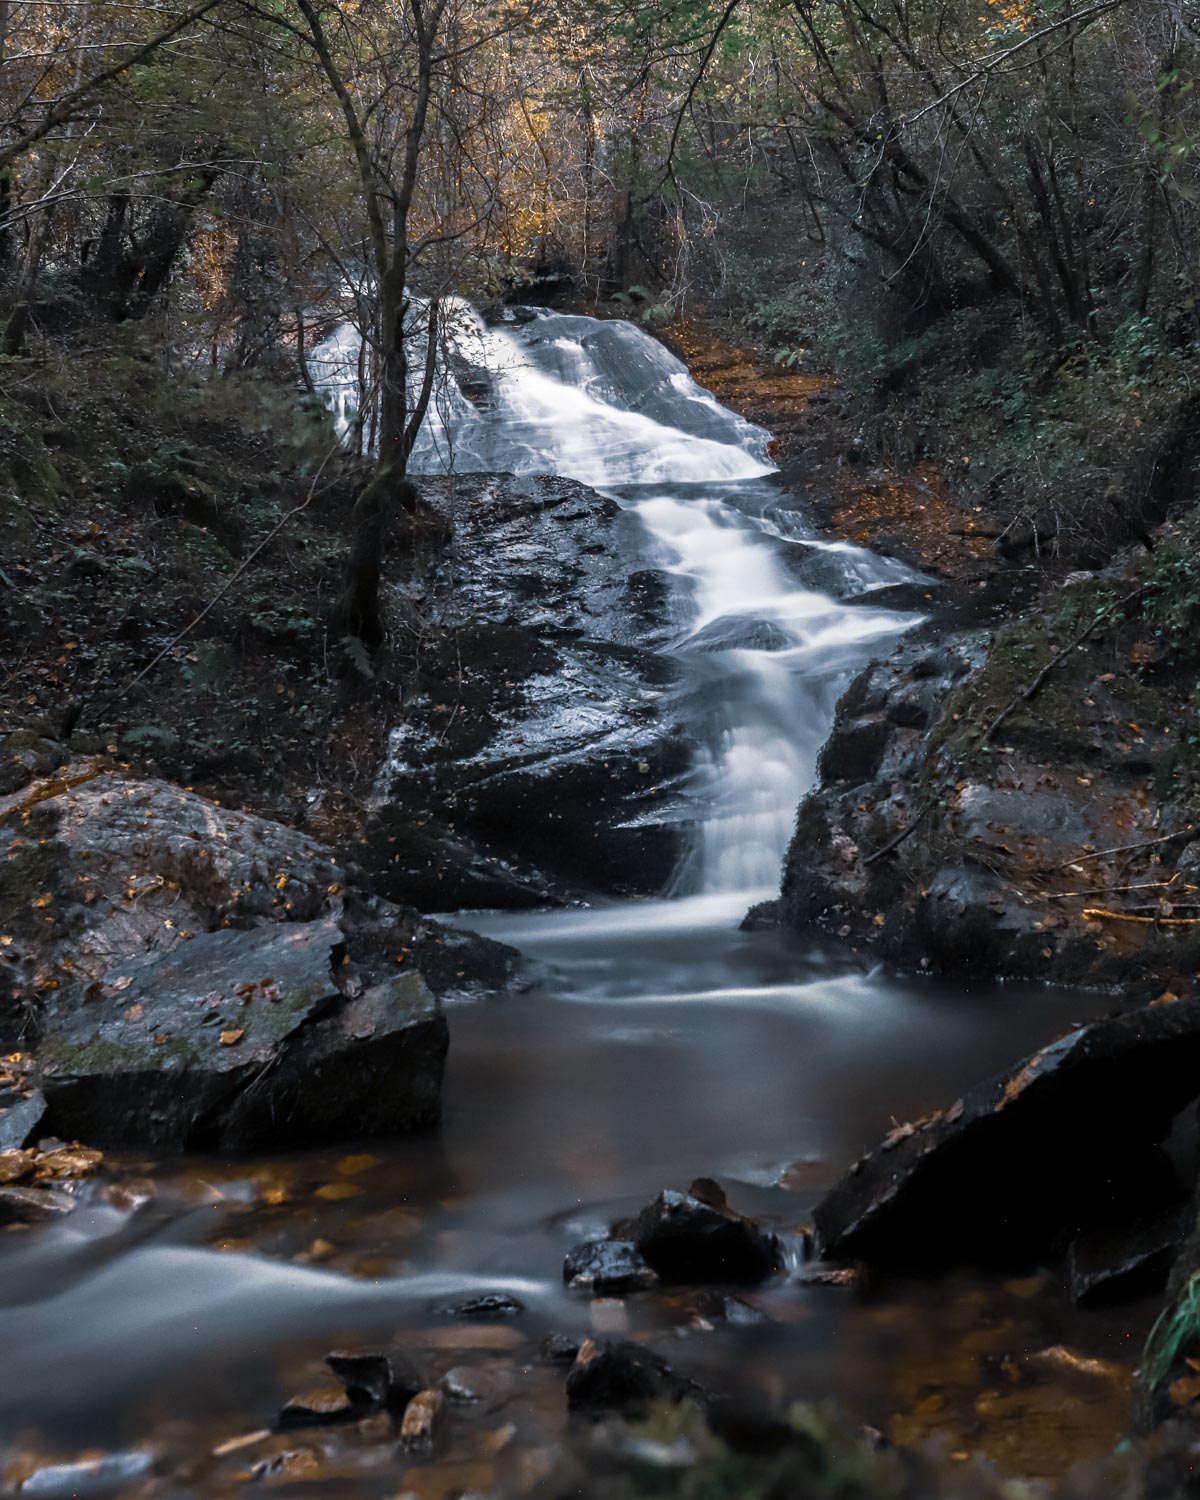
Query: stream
[{"x": 666, "y": 1043}]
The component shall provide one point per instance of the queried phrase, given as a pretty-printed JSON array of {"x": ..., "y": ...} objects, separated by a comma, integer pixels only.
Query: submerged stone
[{"x": 329, "y": 1402}]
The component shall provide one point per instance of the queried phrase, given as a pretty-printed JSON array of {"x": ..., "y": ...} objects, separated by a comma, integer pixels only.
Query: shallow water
[{"x": 663, "y": 1043}]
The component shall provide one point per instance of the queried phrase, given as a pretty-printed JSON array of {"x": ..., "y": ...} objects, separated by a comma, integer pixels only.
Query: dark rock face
[
  {"x": 615, "y": 1375},
  {"x": 697, "y": 1237},
  {"x": 532, "y": 761},
  {"x": 608, "y": 1267},
  {"x": 1066, "y": 1144},
  {"x": 200, "y": 977},
  {"x": 979, "y": 797}
]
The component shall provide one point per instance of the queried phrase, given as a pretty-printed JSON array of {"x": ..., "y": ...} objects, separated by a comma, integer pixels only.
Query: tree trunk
[{"x": 18, "y": 319}]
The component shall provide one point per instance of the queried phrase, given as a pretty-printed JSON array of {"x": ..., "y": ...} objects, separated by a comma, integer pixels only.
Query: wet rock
[
  {"x": 259, "y": 995},
  {"x": 388, "y": 1379},
  {"x": 294, "y": 1465},
  {"x": 22, "y": 1203},
  {"x": 532, "y": 763},
  {"x": 1131, "y": 1260},
  {"x": 741, "y": 1314},
  {"x": 90, "y": 1476},
  {"x": 488, "y": 1305},
  {"x": 239, "y": 1038},
  {"x": 20, "y": 1116},
  {"x": 328, "y": 1402},
  {"x": 1032, "y": 1158},
  {"x": 740, "y": 633},
  {"x": 855, "y": 749},
  {"x": 615, "y": 1375},
  {"x": 608, "y": 1266},
  {"x": 472, "y": 1385},
  {"x": 959, "y": 790},
  {"x": 696, "y": 1236},
  {"x": 422, "y": 1419}
]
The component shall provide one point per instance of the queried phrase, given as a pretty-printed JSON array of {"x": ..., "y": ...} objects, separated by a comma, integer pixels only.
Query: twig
[
  {"x": 904, "y": 833},
  {"x": 1127, "y": 848},
  {"x": 1109, "y": 890},
  {"x": 1026, "y": 693},
  {"x": 1125, "y": 916}
]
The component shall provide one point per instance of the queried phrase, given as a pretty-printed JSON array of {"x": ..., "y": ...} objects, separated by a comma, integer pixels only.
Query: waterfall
[{"x": 605, "y": 403}]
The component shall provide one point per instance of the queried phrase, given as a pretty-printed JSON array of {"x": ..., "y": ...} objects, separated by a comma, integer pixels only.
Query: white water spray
[{"x": 605, "y": 403}]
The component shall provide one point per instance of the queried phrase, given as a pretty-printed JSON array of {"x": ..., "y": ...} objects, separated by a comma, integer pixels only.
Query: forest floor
[{"x": 909, "y": 514}]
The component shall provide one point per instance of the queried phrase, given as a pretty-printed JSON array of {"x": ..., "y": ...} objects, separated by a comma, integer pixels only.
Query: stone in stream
[
  {"x": 389, "y": 1379},
  {"x": 477, "y": 1385},
  {"x": 422, "y": 1419},
  {"x": 256, "y": 996},
  {"x": 26, "y": 1203},
  {"x": 559, "y": 1349},
  {"x": 488, "y": 1305},
  {"x": 696, "y": 1237},
  {"x": 239, "y": 1038},
  {"x": 89, "y": 1476},
  {"x": 608, "y": 1267},
  {"x": 1065, "y": 1143}
]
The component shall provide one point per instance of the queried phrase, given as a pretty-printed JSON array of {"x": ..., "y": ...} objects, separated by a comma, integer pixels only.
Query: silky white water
[{"x": 605, "y": 403}]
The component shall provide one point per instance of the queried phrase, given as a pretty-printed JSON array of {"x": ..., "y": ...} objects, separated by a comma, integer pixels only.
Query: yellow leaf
[
  {"x": 231, "y": 1038},
  {"x": 332, "y": 1191}
]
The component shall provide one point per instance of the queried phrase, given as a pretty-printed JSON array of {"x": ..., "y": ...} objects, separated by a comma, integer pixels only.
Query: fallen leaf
[
  {"x": 351, "y": 1166},
  {"x": 231, "y": 1038},
  {"x": 332, "y": 1191}
]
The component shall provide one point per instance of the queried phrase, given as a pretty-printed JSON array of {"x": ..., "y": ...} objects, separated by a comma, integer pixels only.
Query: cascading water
[
  {"x": 605, "y": 403},
  {"x": 699, "y": 1048}
]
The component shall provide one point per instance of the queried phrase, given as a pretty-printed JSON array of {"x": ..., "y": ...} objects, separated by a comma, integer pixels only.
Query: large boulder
[
  {"x": 191, "y": 975},
  {"x": 537, "y": 759},
  {"x": 1065, "y": 1144}
]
